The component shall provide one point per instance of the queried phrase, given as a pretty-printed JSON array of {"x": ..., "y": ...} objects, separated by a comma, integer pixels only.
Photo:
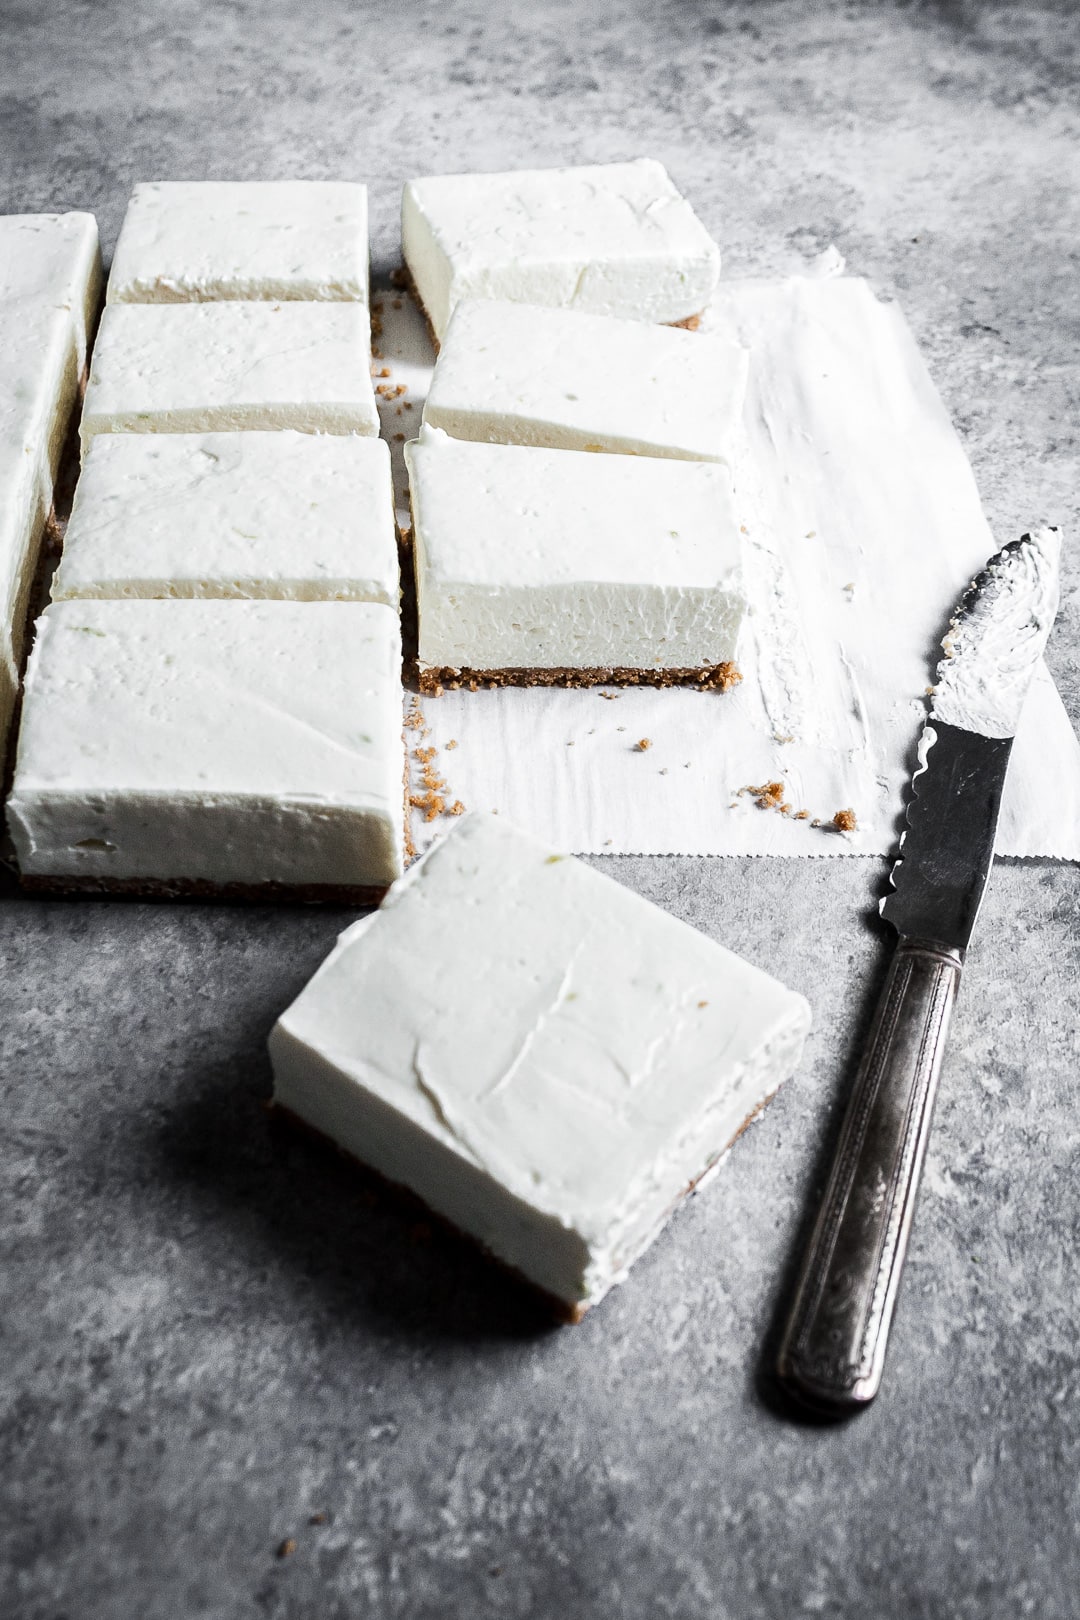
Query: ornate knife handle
[{"x": 833, "y": 1351}]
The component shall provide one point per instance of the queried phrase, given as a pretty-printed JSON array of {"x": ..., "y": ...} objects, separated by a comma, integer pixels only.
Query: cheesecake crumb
[
  {"x": 451, "y": 744},
  {"x": 703, "y": 1003},
  {"x": 844, "y": 821},
  {"x": 611, "y": 696},
  {"x": 802, "y": 815},
  {"x": 385, "y": 372},
  {"x": 399, "y": 276},
  {"x": 317, "y": 1518},
  {"x": 643, "y": 744},
  {"x": 287, "y": 1547},
  {"x": 457, "y": 808},
  {"x": 399, "y": 438}
]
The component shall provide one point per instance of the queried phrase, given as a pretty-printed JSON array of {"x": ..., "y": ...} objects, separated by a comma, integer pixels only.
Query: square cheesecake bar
[
  {"x": 197, "y": 368},
  {"x": 303, "y": 516},
  {"x": 241, "y": 749},
  {"x": 556, "y": 567},
  {"x": 611, "y": 238},
  {"x": 50, "y": 288},
  {"x": 545, "y": 1058},
  {"x": 185, "y": 241},
  {"x": 518, "y": 374}
]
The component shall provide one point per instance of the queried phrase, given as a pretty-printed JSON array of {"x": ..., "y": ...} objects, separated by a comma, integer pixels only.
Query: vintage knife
[{"x": 833, "y": 1350}]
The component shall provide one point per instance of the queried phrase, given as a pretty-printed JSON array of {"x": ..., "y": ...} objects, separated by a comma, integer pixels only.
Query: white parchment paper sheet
[{"x": 863, "y": 525}]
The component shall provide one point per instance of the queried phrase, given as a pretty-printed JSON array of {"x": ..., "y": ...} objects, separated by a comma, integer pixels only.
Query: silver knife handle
[{"x": 833, "y": 1350}]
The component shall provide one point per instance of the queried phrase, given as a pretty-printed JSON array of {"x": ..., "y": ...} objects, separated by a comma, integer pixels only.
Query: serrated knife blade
[
  {"x": 833, "y": 1352},
  {"x": 994, "y": 642}
]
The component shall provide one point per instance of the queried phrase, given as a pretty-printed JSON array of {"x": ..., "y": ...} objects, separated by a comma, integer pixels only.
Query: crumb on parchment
[
  {"x": 844, "y": 821},
  {"x": 431, "y": 797},
  {"x": 643, "y": 745}
]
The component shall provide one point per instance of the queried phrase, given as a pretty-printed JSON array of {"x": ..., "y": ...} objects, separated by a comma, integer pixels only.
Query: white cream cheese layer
[
  {"x": 519, "y": 374},
  {"x": 186, "y": 241},
  {"x": 52, "y": 262},
  {"x": 229, "y": 742},
  {"x": 304, "y": 516},
  {"x": 613, "y": 238},
  {"x": 50, "y": 286},
  {"x": 195, "y": 368},
  {"x": 549, "y": 559},
  {"x": 544, "y": 1057}
]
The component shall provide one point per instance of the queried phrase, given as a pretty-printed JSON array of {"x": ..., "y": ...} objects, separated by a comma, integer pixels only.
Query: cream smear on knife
[{"x": 997, "y": 636}]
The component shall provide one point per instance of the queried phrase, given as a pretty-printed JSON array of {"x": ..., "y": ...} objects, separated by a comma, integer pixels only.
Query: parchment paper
[{"x": 863, "y": 525}]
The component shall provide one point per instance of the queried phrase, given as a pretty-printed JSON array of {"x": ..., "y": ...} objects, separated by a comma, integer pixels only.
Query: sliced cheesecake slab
[
  {"x": 611, "y": 238},
  {"x": 50, "y": 290},
  {"x": 50, "y": 287},
  {"x": 304, "y": 516},
  {"x": 186, "y": 241},
  {"x": 194, "y": 368},
  {"x": 518, "y": 374},
  {"x": 556, "y": 567},
  {"x": 237, "y": 748},
  {"x": 549, "y": 1061}
]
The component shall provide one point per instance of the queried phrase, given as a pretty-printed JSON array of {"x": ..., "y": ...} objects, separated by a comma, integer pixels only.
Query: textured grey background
[{"x": 208, "y": 1334}]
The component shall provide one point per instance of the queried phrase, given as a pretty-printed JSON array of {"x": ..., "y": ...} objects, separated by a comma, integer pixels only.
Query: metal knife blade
[
  {"x": 833, "y": 1352},
  {"x": 995, "y": 640}
]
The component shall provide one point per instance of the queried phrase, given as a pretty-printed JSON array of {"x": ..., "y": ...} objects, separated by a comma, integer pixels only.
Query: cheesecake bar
[
  {"x": 187, "y": 241},
  {"x": 221, "y": 748},
  {"x": 545, "y": 1058},
  {"x": 610, "y": 238},
  {"x": 298, "y": 515},
  {"x": 195, "y": 368},
  {"x": 556, "y": 567},
  {"x": 518, "y": 374},
  {"x": 50, "y": 287}
]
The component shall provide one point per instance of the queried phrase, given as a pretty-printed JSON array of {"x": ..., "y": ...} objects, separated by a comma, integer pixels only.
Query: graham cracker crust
[
  {"x": 562, "y": 1311},
  {"x": 303, "y": 894},
  {"x": 403, "y": 278},
  {"x": 710, "y": 678}
]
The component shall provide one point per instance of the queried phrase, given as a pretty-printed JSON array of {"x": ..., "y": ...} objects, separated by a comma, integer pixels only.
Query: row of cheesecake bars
[
  {"x": 258, "y": 739},
  {"x": 251, "y": 732}
]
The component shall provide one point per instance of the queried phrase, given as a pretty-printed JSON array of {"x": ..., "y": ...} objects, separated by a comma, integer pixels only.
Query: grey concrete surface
[{"x": 210, "y": 1333}]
